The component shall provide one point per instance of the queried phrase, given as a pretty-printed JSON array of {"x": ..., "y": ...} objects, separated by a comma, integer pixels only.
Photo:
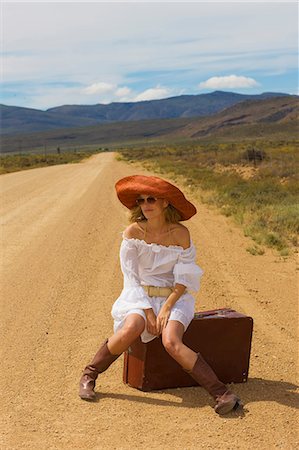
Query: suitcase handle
[{"x": 216, "y": 312}]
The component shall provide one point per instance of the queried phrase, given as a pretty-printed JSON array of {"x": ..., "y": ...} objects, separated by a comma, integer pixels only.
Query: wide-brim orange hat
[{"x": 129, "y": 188}]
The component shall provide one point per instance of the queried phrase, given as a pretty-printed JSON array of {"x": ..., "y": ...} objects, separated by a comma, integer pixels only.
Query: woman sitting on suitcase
[{"x": 158, "y": 263}]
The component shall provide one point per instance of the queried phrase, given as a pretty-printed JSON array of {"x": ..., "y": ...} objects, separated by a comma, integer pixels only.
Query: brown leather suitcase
[{"x": 222, "y": 336}]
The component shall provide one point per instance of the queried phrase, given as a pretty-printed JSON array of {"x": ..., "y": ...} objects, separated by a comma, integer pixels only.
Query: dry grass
[{"x": 23, "y": 161}]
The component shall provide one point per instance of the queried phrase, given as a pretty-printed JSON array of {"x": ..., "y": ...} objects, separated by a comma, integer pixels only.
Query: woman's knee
[
  {"x": 133, "y": 326},
  {"x": 172, "y": 344}
]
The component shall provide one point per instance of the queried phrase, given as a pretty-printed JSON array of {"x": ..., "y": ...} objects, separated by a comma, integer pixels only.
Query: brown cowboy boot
[
  {"x": 101, "y": 361},
  {"x": 206, "y": 377}
]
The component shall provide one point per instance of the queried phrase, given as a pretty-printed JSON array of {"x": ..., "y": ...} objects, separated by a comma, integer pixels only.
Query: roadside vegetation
[
  {"x": 22, "y": 161},
  {"x": 256, "y": 183}
]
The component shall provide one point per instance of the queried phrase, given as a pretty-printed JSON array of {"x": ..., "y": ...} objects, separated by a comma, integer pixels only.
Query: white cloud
[
  {"x": 52, "y": 94},
  {"x": 103, "y": 92},
  {"x": 99, "y": 88},
  {"x": 228, "y": 82},
  {"x": 99, "y": 92},
  {"x": 106, "y": 93},
  {"x": 153, "y": 94},
  {"x": 123, "y": 91}
]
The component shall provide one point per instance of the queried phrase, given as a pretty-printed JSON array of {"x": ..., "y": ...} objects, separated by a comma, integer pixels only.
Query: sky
[{"x": 57, "y": 53}]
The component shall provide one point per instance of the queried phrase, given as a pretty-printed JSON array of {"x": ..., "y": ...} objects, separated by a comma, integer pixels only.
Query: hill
[
  {"x": 269, "y": 118},
  {"x": 18, "y": 120}
]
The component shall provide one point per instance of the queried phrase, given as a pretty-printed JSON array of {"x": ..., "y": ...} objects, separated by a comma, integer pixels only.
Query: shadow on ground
[{"x": 255, "y": 390}]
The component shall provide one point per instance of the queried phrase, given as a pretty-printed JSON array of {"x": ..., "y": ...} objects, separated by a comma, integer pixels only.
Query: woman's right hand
[{"x": 151, "y": 320}]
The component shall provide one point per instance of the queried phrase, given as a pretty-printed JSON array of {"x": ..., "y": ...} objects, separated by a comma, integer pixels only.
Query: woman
[{"x": 157, "y": 259}]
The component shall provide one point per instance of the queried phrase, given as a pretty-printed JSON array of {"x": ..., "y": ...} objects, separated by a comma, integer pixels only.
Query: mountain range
[
  {"x": 20, "y": 120},
  {"x": 270, "y": 118}
]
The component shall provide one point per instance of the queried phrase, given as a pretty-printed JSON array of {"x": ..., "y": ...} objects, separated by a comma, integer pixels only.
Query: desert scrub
[
  {"x": 265, "y": 203},
  {"x": 255, "y": 250},
  {"x": 23, "y": 161}
]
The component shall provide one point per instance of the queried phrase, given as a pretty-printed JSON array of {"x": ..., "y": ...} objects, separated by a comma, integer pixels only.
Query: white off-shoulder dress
[{"x": 155, "y": 265}]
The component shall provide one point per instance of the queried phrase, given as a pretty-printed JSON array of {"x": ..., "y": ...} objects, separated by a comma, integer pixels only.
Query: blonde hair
[{"x": 171, "y": 214}]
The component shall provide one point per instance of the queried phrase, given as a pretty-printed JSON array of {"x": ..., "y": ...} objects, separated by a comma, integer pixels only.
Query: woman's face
[{"x": 151, "y": 206}]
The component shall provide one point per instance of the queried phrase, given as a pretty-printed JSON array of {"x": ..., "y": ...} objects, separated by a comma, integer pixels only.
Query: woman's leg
[
  {"x": 172, "y": 336},
  {"x": 123, "y": 338},
  {"x": 109, "y": 351},
  {"x": 197, "y": 367}
]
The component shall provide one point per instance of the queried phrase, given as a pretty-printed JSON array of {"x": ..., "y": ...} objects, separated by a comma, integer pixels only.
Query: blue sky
[{"x": 57, "y": 53}]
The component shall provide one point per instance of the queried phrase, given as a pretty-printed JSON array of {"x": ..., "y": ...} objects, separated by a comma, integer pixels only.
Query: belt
[{"x": 156, "y": 291}]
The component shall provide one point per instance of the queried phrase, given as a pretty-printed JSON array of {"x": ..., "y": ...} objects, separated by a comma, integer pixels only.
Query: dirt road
[{"x": 61, "y": 230}]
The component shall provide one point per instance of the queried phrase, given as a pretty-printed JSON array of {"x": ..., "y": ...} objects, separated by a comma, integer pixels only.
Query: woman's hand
[
  {"x": 151, "y": 321},
  {"x": 162, "y": 318}
]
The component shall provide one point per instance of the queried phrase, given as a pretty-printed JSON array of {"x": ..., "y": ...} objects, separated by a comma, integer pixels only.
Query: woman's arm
[
  {"x": 186, "y": 274},
  {"x": 179, "y": 290},
  {"x": 151, "y": 321},
  {"x": 164, "y": 312}
]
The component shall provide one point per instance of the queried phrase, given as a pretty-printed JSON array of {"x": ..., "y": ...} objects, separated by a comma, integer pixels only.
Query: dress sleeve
[
  {"x": 132, "y": 291},
  {"x": 186, "y": 271}
]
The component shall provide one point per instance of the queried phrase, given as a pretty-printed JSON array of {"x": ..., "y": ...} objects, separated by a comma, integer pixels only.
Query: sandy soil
[{"x": 61, "y": 231}]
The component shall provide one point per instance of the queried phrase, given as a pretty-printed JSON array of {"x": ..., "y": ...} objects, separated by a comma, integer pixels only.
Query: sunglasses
[{"x": 149, "y": 200}]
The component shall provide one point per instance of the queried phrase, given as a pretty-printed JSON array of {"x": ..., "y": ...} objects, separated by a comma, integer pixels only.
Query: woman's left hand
[{"x": 162, "y": 318}]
